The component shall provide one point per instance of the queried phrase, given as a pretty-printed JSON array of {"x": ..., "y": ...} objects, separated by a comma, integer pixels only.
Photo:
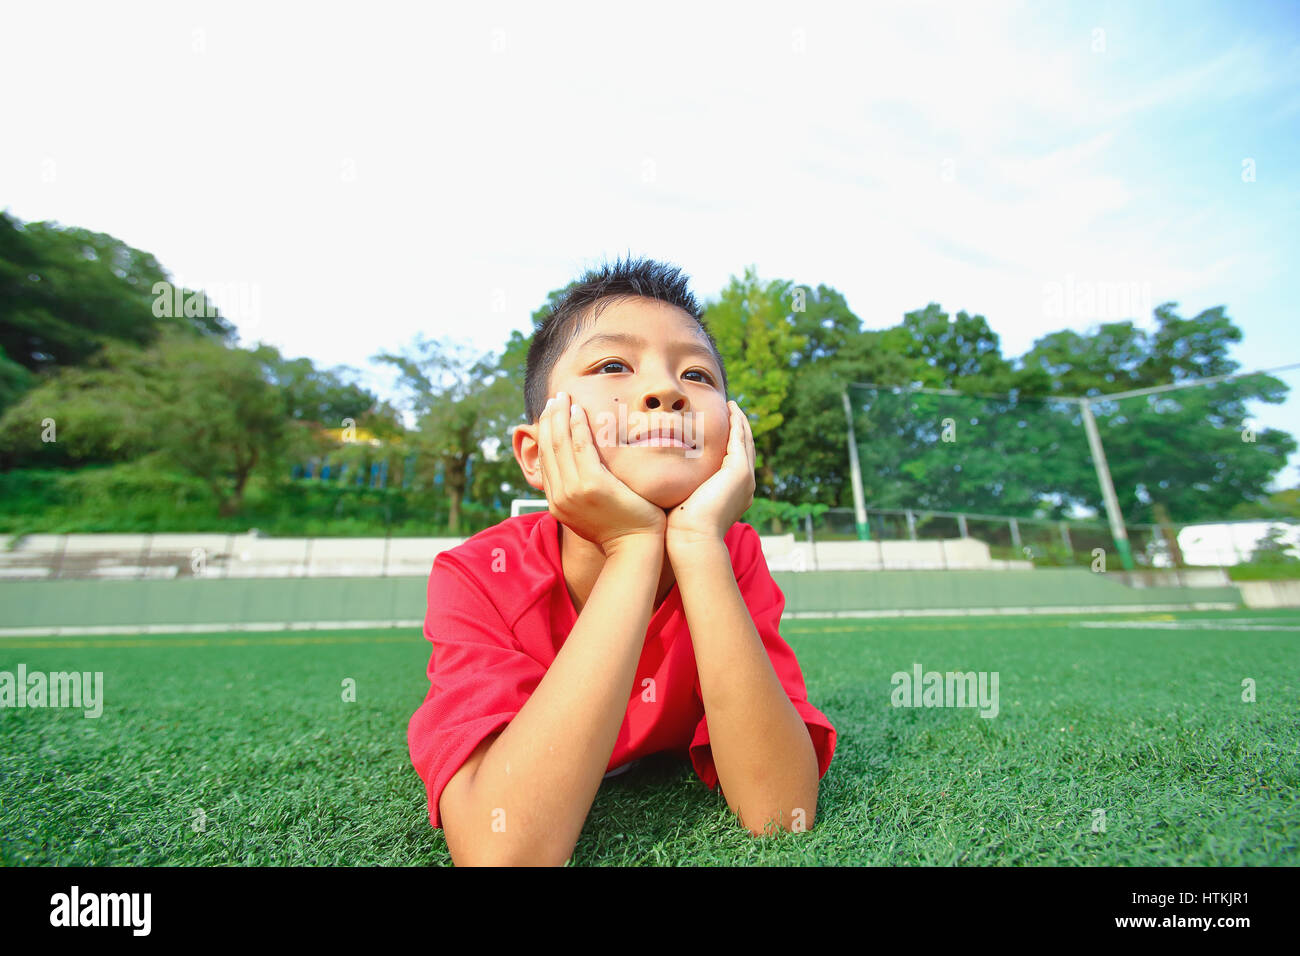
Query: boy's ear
[{"x": 524, "y": 443}]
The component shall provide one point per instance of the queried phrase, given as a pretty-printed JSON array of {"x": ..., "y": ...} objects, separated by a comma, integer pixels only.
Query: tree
[
  {"x": 497, "y": 466},
  {"x": 981, "y": 450},
  {"x": 460, "y": 401},
  {"x": 322, "y": 396},
  {"x": 962, "y": 353},
  {"x": 811, "y": 458},
  {"x": 14, "y": 380},
  {"x": 187, "y": 402},
  {"x": 1190, "y": 449},
  {"x": 753, "y": 325},
  {"x": 1008, "y": 445},
  {"x": 66, "y": 292},
  {"x": 1280, "y": 504},
  {"x": 1271, "y": 549}
]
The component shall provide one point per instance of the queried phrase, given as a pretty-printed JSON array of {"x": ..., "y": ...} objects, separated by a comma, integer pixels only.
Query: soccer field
[{"x": 1119, "y": 739}]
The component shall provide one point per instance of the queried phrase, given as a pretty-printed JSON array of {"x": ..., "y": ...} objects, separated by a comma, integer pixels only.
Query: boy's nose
[{"x": 668, "y": 398}]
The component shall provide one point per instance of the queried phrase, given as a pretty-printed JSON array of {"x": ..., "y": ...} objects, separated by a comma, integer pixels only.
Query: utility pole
[
  {"x": 855, "y": 472},
  {"x": 1107, "y": 486}
]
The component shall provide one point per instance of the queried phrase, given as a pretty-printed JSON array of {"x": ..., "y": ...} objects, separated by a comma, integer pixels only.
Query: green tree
[
  {"x": 960, "y": 353},
  {"x": 753, "y": 324},
  {"x": 496, "y": 474},
  {"x": 14, "y": 380},
  {"x": 323, "y": 396},
  {"x": 976, "y": 451},
  {"x": 1183, "y": 448},
  {"x": 186, "y": 402},
  {"x": 460, "y": 402},
  {"x": 811, "y": 458},
  {"x": 1272, "y": 550},
  {"x": 66, "y": 292},
  {"x": 1280, "y": 504}
]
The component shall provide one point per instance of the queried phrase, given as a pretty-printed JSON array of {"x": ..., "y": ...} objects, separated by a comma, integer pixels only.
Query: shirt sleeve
[
  {"x": 479, "y": 678},
  {"x": 766, "y": 602}
]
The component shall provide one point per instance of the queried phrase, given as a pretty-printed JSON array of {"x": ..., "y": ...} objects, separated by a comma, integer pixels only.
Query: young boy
[{"x": 636, "y": 615}]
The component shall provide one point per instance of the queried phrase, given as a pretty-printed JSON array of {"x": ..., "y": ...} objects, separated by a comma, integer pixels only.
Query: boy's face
[{"x": 633, "y": 393}]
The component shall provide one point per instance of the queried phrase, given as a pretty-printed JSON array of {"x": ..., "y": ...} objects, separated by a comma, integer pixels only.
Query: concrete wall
[
  {"x": 1197, "y": 578},
  {"x": 784, "y": 553},
  {"x": 163, "y": 556},
  {"x": 169, "y": 556},
  {"x": 1270, "y": 593}
]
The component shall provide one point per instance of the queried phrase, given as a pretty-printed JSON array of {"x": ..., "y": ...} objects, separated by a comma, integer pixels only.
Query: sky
[{"x": 343, "y": 178}]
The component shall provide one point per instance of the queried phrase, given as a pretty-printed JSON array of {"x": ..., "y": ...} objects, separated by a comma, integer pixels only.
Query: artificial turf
[{"x": 239, "y": 749}]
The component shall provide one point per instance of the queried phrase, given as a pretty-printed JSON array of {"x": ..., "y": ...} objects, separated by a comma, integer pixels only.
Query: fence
[{"x": 1048, "y": 542}]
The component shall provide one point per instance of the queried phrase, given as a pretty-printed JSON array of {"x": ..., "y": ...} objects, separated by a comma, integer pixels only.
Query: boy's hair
[{"x": 584, "y": 301}]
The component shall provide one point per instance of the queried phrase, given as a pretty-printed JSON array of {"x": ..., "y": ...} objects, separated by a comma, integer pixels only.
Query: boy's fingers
[
  {"x": 738, "y": 432},
  {"x": 749, "y": 437},
  {"x": 745, "y": 436},
  {"x": 562, "y": 443},
  {"x": 753, "y": 452},
  {"x": 544, "y": 452},
  {"x": 584, "y": 450}
]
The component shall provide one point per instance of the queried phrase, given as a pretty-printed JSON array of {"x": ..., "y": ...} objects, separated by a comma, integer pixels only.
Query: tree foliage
[
  {"x": 189, "y": 402},
  {"x": 66, "y": 292},
  {"x": 753, "y": 324},
  {"x": 93, "y": 372},
  {"x": 461, "y": 401}
]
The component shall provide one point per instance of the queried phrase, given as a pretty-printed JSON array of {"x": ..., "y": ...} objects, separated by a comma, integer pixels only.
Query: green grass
[
  {"x": 251, "y": 730},
  {"x": 1264, "y": 572}
]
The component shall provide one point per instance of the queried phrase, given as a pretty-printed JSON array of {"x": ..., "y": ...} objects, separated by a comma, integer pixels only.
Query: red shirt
[{"x": 499, "y": 612}]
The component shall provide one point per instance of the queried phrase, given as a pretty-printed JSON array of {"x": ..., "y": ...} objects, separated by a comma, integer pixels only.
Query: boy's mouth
[
  {"x": 667, "y": 434},
  {"x": 655, "y": 442}
]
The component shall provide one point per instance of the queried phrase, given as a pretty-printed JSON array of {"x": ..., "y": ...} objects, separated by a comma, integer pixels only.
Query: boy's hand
[
  {"x": 724, "y": 496},
  {"x": 581, "y": 491}
]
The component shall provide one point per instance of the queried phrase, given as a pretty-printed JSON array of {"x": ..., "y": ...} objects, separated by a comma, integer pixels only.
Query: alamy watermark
[
  {"x": 243, "y": 302},
  {"x": 954, "y": 689},
  {"x": 1094, "y": 300},
  {"x": 611, "y": 431},
  {"x": 76, "y": 908},
  {"x": 55, "y": 689}
]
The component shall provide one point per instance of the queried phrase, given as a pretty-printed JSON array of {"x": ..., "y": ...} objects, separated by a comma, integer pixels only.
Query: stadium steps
[
  {"x": 1068, "y": 590},
  {"x": 89, "y": 606}
]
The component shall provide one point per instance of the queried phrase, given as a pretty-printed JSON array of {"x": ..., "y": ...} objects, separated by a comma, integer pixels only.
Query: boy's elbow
[
  {"x": 799, "y": 820},
  {"x": 494, "y": 848},
  {"x": 502, "y": 855}
]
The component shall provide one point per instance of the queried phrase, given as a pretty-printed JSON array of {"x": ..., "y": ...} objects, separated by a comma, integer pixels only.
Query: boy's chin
[{"x": 664, "y": 494}]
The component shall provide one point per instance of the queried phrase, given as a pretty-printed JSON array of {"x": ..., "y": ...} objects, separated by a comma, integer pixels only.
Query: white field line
[
  {"x": 212, "y": 628},
  {"x": 203, "y": 628},
  {"x": 996, "y": 611},
  {"x": 1186, "y": 625}
]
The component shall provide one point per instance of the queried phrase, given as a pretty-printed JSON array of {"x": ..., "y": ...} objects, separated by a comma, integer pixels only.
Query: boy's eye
[{"x": 695, "y": 371}]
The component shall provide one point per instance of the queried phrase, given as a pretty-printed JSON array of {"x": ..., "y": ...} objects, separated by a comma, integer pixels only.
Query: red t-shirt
[{"x": 499, "y": 612}]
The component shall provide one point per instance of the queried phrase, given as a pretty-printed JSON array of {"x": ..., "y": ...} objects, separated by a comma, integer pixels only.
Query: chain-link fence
[{"x": 1050, "y": 543}]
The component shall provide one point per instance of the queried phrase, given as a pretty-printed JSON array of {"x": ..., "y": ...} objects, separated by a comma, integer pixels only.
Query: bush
[
  {"x": 141, "y": 497},
  {"x": 780, "y": 517}
]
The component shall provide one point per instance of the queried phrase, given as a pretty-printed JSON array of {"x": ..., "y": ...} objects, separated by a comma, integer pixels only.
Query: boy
[{"x": 636, "y": 615}]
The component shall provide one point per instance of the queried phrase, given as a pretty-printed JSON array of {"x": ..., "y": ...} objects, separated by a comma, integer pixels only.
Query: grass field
[{"x": 239, "y": 750}]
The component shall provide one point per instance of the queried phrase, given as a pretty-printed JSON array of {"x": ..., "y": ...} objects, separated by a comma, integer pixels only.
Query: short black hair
[{"x": 586, "y": 299}]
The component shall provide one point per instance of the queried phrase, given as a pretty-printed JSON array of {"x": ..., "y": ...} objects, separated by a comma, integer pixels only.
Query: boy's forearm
[
  {"x": 534, "y": 788},
  {"x": 762, "y": 751}
]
